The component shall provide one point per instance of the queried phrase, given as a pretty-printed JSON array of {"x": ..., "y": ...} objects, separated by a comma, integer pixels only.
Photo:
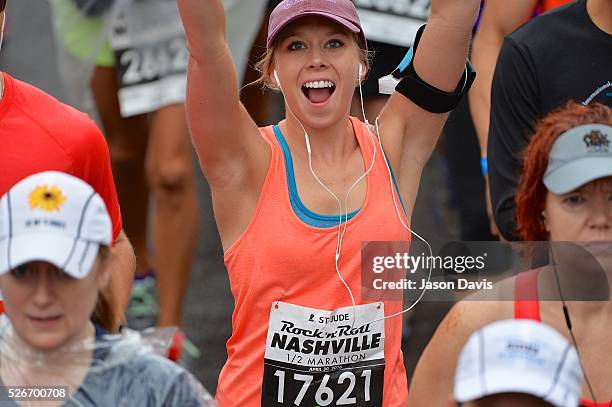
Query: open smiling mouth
[
  {"x": 318, "y": 91},
  {"x": 46, "y": 319}
]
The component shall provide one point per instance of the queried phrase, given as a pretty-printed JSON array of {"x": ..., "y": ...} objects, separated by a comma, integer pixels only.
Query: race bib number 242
[{"x": 321, "y": 358}]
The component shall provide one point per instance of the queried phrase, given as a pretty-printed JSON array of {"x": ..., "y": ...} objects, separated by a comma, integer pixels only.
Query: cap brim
[
  {"x": 75, "y": 257},
  {"x": 577, "y": 173},
  {"x": 506, "y": 381},
  {"x": 342, "y": 21}
]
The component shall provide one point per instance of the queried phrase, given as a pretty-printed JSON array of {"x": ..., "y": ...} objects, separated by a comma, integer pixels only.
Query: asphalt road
[{"x": 29, "y": 54}]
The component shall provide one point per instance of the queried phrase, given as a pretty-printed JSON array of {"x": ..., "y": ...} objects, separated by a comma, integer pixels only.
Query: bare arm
[
  {"x": 122, "y": 267},
  {"x": 233, "y": 155},
  {"x": 409, "y": 132},
  {"x": 434, "y": 375},
  {"x": 432, "y": 383},
  {"x": 225, "y": 137},
  {"x": 499, "y": 18}
]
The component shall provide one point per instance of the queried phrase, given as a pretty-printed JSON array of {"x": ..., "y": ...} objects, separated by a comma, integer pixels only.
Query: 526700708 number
[{"x": 34, "y": 393}]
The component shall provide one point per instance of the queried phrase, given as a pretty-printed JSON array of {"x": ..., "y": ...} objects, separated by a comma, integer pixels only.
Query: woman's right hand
[{"x": 204, "y": 22}]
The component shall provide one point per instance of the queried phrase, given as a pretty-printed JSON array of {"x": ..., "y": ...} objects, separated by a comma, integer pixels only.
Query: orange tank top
[
  {"x": 526, "y": 306},
  {"x": 281, "y": 259}
]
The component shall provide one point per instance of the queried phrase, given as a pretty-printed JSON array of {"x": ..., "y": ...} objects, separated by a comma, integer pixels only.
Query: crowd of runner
[{"x": 99, "y": 207}]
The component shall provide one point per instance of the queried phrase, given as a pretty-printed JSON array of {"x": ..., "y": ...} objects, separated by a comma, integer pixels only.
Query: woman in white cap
[
  {"x": 55, "y": 234},
  {"x": 282, "y": 194},
  {"x": 517, "y": 363},
  {"x": 564, "y": 198}
]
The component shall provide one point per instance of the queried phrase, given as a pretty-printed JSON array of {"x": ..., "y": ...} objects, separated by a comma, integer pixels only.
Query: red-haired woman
[{"x": 565, "y": 195}]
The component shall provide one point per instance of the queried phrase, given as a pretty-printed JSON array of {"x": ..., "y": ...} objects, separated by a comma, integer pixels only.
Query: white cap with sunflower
[{"x": 54, "y": 217}]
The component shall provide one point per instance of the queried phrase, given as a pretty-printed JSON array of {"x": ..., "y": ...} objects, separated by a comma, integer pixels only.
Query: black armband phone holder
[{"x": 420, "y": 92}]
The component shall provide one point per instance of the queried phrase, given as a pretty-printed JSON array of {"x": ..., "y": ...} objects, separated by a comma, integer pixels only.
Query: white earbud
[
  {"x": 278, "y": 83},
  {"x": 360, "y": 72}
]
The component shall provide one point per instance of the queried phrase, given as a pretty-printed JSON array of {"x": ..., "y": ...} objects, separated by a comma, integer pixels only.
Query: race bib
[
  {"x": 151, "y": 56},
  {"x": 392, "y": 22},
  {"x": 319, "y": 358}
]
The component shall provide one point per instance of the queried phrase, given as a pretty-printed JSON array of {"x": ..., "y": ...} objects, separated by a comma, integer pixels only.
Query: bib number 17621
[{"x": 356, "y": 387}]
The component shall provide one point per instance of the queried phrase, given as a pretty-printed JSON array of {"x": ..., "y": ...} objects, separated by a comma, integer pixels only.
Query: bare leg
[
  {"x": 127, "y": 140},
  {"x": 170, "y": 172}
]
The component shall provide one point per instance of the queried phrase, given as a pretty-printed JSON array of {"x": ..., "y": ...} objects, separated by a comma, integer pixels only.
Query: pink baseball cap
[{"x": 342, "y": 12}]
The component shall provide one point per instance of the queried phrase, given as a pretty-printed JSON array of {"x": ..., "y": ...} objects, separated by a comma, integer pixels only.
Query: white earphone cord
[
  {"x": 341, "y": 233},
  {"x": 342, "y": 228}
]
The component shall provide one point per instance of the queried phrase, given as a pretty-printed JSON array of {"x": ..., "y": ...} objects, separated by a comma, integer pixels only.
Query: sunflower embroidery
[{"x": 47, "y": 199}]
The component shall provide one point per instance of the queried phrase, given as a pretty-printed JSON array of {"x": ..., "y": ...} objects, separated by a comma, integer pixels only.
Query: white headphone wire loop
[
  {"x": 343, "y": 218},
  {"x": 424, "y": 290}
]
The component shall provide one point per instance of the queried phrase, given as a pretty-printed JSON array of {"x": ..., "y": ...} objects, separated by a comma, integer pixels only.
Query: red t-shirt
[
  {"x": 39, "y": 133},
  {"x": 546, "y": 5}
]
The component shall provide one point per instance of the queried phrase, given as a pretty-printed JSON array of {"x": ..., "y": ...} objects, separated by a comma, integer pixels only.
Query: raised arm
[
  {"x": 408, "y": 131},
  {"x": 225, "y": 137},
  {"x": 233, "y": 155},
  {"x": 499, "y": 18}
]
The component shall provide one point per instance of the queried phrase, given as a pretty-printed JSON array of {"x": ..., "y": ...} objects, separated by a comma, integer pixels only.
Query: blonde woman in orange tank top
[{"x": 296, "y": 337}]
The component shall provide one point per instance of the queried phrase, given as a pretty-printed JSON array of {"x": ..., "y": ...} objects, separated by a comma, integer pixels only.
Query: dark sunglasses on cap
[{"x": 2, "y": 5}]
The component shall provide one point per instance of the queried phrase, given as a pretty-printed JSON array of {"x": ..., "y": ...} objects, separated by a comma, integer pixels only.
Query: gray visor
[{"x": 579, "y": 156}]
